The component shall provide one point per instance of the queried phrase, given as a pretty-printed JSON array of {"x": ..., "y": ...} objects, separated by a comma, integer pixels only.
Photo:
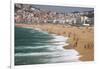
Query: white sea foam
[
  {"x": 63, "y": 59},
  {"x": 31, "y": 47},
  {"x": 51, "y": 54},
  {"x": 38, "y": 29},
  {"x": 58, "y": 56}
]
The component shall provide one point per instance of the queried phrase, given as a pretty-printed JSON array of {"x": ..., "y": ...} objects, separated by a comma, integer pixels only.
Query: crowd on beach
[{"x": 29, "y": 14}]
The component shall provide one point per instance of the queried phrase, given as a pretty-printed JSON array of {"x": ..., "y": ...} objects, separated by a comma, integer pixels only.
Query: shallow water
[{"x": 33, "y": 46}]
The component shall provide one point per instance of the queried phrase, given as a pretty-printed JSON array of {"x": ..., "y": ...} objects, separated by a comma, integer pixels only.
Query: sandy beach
[{"x": 80, "y": 38}]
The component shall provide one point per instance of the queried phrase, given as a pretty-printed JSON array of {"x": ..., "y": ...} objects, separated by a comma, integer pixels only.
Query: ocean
[{"x": 34, "y": 46}]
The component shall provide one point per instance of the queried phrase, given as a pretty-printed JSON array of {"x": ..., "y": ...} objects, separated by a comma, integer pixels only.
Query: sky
[{"x": 63, "y": 9}]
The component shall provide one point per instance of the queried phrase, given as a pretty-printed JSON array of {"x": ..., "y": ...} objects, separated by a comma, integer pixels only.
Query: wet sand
[{"x": 80, "y": 38}]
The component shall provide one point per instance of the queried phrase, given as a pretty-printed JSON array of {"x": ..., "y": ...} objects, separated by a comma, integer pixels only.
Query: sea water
[{"x": 33, "y": 46}]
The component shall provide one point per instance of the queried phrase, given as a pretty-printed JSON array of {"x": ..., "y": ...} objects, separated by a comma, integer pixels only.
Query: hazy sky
[{"x": 62, "y": 8}]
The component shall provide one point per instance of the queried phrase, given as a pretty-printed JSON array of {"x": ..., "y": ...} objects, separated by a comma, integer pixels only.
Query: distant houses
[{"x": 28, "y": 14}]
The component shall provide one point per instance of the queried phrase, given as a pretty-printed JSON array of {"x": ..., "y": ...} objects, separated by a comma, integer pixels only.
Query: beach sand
[{"x": 80, "y": 38}]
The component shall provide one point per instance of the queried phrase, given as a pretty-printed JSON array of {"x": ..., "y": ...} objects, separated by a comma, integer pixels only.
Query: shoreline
[{"x": 77, "y": 41}]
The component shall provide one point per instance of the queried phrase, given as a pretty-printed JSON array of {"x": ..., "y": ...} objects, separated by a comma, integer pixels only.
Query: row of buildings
[{"x": 28, "y": 14}]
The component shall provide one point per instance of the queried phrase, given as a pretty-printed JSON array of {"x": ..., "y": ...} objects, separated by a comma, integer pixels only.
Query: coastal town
[
  {"x": 28, "y": 14},
  {"x": 78, "y": 26}
]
